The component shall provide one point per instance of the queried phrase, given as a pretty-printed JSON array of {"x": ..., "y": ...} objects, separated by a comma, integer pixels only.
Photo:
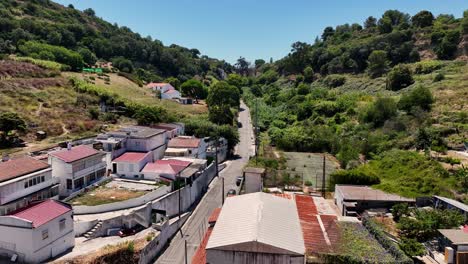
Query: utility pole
[
  {"x": 222, "y": 190},
  {"x": 256, "y": 131},
  {"x": 323, "y": 176},
  {"x": 185, "y": 243},
  {"x": 216, "y": 156},
  {"x": 179, "y": 201}
]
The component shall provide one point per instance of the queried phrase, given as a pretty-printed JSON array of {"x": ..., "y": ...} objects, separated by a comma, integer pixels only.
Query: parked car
[
  {"x": 231, "y": 192},
  {"x": 239, "y": 180},
  {"x": 125, "y": 232}
]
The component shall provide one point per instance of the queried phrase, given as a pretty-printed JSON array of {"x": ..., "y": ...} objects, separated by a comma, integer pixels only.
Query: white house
[
  {"x": 166, "y": 90},
  {"x": 172, "y": 129},
  {"x": 25, "y": 180},
  {"x": 196, "y": 147},
  {"x": 134, "y": 139},
  {"x": 37, "y": 232},
  {"x": 130, "y": 164},
  {"x": 77, "y": 168},
  {"x": 165, "y": 170}
]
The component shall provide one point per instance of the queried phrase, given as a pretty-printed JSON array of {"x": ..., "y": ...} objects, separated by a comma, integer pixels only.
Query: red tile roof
[
  {"x": 155, "y": 84},
  {"x": 180, "y": 142},
  {"x": 41, "y": 213},
  {"x": 214, "y": 215},
  {"x": 170, "y": 91},
  {"x": 131, "y": 157},
  {"x": 18, "y": 167},
  {"x": 171, "y": 166},
  {"x": 316, "y": 239},
  {"x": 76, "y": 153}
]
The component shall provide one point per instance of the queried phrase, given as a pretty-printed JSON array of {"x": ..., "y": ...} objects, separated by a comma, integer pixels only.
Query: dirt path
[{"x": 39, "y": 109}]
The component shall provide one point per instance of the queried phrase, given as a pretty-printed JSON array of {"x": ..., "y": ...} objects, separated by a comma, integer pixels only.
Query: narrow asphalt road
[{"x": 196, "y": 226}]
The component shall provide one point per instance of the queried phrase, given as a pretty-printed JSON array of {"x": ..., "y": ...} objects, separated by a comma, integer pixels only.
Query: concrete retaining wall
[
  {"x": 183, "y": 199},
  {"x": 80, "y": 210},
  {"x": 154, "y": 248},
  {"x": 82, "y": 227}
]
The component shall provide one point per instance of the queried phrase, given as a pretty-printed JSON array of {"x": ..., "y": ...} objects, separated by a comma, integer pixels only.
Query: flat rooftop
[
  {"x": 137, "y": 132},
  {"x": 456, "y": 236},
  {"x": 366, "y": 193}
]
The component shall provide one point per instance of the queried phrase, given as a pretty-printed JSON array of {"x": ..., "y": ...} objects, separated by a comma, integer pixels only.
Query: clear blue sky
[{"x": 227, "y": 29}]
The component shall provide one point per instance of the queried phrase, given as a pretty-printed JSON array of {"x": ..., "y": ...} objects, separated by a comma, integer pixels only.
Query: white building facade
[
  {"x": 38, "y": 232},
  {"x": 77, "y": 168},
  {"x": 23, "y": 181}
]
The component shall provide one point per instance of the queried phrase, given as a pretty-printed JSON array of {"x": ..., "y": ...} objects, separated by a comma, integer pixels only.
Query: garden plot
[{"x": 114, "y": 191}]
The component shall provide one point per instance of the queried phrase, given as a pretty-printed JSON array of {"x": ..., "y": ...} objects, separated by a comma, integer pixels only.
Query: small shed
[
  {"x": 454, "y": 244},
  {"x": 253, "y": 179}
]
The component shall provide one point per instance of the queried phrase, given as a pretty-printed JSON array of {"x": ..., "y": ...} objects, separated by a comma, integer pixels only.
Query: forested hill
[
  {"x": 81, "y": 38},
  {"x": 403, "y": 39}
]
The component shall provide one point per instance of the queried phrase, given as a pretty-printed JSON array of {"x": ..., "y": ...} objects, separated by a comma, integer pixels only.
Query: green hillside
[{"x": 361, "y": 91}]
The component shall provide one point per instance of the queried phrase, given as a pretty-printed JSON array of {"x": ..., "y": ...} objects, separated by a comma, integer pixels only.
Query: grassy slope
[
  {"x": 46, "y": 103},
  {"x": 128, "y": 89},
  {"x": 450, "y": 95}
]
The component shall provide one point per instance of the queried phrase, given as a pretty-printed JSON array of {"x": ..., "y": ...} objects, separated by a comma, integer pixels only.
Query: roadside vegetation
[{"x": 386, "y": 98}]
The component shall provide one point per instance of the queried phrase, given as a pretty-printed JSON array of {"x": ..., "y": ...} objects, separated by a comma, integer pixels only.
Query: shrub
[
  {"x": 131, "y": 247},
  {"x": 399, "y": 77},
  {"x": 424, "y": 67},
  {"x": 382, "y": 238},
  {"x": 60, "y": 54},
  {"x": 94, "y": 112},
  {"x": 334, "y": 80},
  {"x": 439, "y": 77},
  {"x": 418, "y": 97},
  {"x": 354, "y": 177},
  {"x": 380, "y": 111}
]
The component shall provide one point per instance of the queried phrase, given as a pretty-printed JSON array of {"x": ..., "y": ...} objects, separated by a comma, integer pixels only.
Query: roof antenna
[{"x": 69, "y": 146}]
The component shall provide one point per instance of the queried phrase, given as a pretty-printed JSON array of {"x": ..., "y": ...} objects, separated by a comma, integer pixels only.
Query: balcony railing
[{"x": 89, "y": 170}]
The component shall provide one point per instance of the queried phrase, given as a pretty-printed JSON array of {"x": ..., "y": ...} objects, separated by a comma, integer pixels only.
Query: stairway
[{"x": 91, "y": 232}]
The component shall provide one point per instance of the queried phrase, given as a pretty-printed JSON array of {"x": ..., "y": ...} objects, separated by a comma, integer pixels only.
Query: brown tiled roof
[
  {"x": 75, "y": 153},
  {"x": 19, "y": 167},
  {"x": 316, "y": 240},
  {"x": 180, "y": 142}
]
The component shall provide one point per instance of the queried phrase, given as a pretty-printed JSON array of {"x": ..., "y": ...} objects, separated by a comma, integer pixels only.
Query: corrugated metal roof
[
  {"x": 456, "y": 236},
  {"x": 366, "y": 193},
  {"x": 258, "y": 222},
  {"x": 454, "y": 203}
]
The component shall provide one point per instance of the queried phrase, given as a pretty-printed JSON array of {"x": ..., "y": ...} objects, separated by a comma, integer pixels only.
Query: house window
[
  {"x": 26, "y": 184},
  {"x": 34, "y": 181},
  {"x": 42, "y": 179},
  {"x": 69, "y": 184},
  {"x": 62, "y": 224},
  {"x": 45, "y": 234}
]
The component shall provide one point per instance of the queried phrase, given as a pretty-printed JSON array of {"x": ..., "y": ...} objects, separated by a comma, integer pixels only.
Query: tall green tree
[
  {"x": 10, "y": 122},
  {"x": 194, "y": 89},
  {"x": 221, "y": 115},
  {"x": 377, "y": 63},
  {"x": 223, "y": 93},
  {"x": 423, "y": 19}
]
